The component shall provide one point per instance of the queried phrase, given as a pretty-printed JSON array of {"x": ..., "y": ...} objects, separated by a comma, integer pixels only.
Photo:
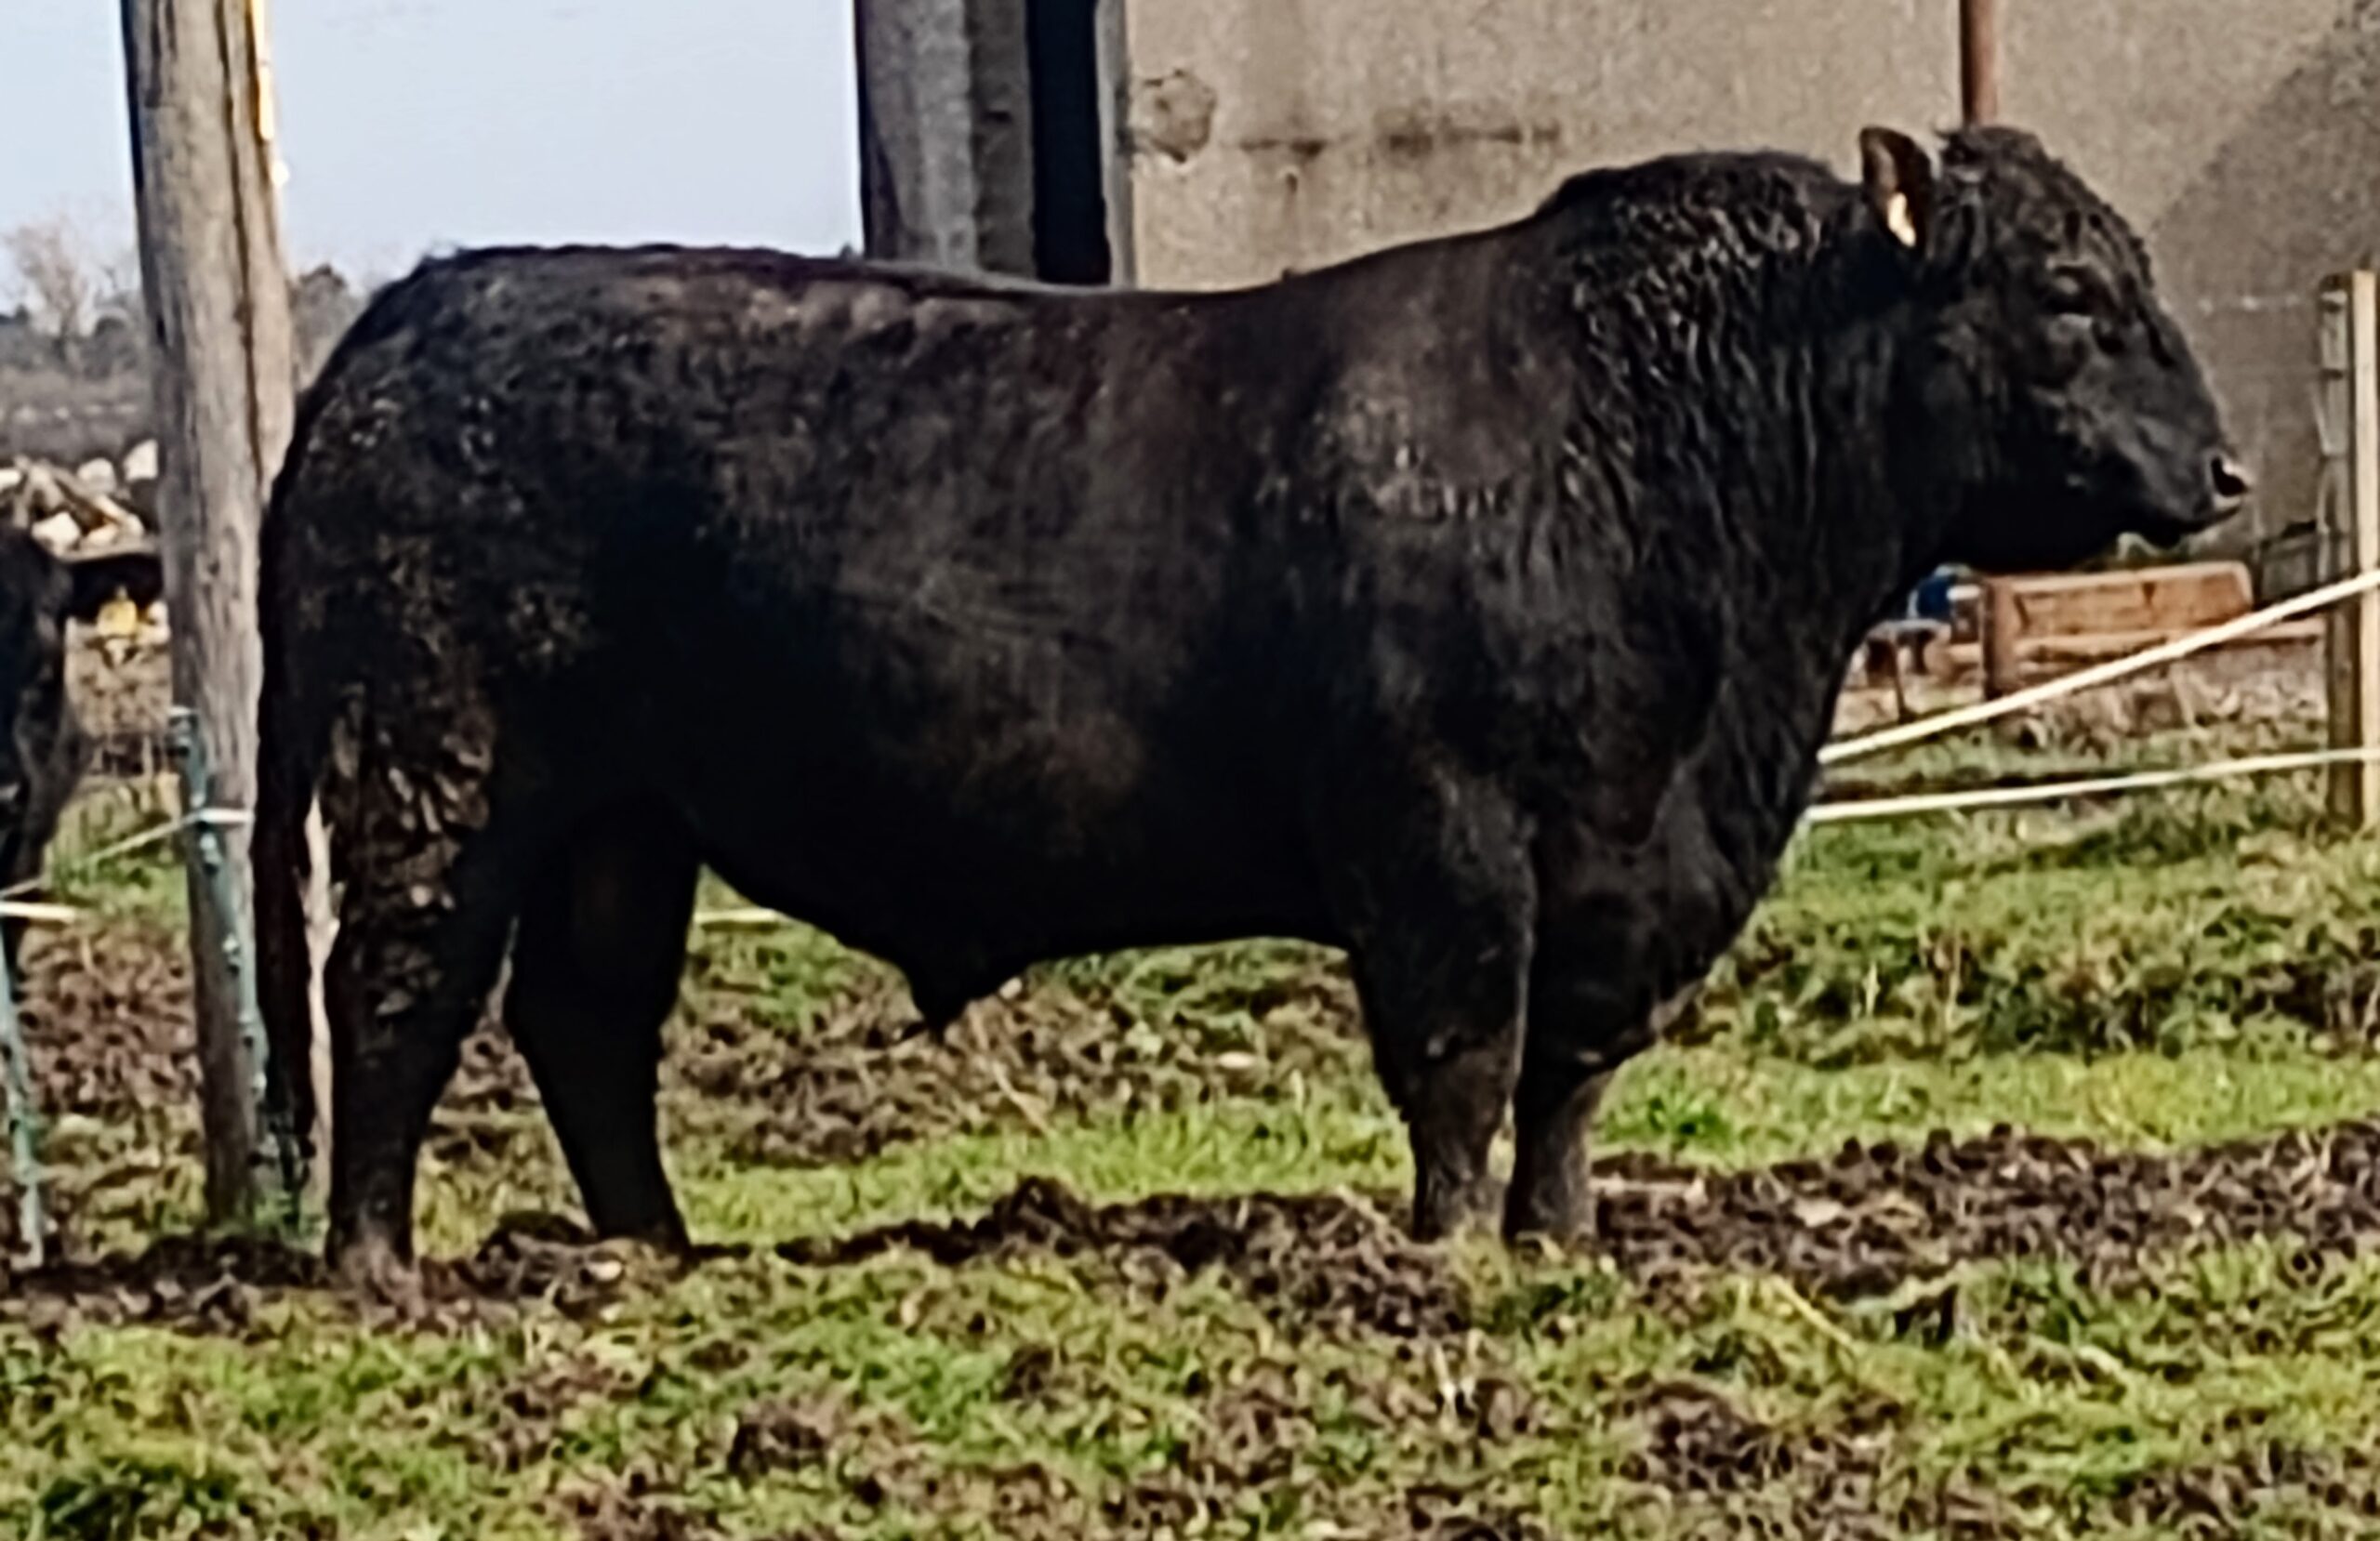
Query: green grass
[
  {"x": 2179, "y": 972},
  {"x": 2188, "y": 922}
]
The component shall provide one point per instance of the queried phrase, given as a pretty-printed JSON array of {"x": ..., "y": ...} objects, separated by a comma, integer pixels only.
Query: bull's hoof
[
  {"x": 1446, "y": 1214},
  {"x": 1562, "y": 1223},
  {"x": 666, "y": 1242},
  {"x": 650, "y": 1255},
  {"x": 645, "y": 1222},
  {"x": 1564, "y": 1238},
  {"x": 374, "y": 1273}
]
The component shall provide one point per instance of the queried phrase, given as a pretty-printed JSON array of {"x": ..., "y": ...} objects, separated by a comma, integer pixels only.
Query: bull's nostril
[{"x": 2232, "y": 482}]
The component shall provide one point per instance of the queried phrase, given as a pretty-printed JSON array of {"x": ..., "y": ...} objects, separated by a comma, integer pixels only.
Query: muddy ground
[
  {"x": 108, "y": 1024},
  {"x": 1878, "y": 1231}
]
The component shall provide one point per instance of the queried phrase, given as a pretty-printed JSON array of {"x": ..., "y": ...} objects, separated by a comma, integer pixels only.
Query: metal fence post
[
  {"x": 278, "y": 1145},
  {"x": 24, "y": 1125}
]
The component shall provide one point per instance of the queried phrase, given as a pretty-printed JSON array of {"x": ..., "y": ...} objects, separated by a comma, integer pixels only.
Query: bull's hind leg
[
  {"x": 595, "y": 970},
  {"x": 428, "y": 907},
  {"x": 1439, "y": 918}
]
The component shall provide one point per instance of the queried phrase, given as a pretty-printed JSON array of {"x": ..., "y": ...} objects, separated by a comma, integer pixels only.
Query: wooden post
[
  {"x": 1979, "y": 103},
  {"x": 1980, "y": 60},
  {"x": 2003, "y": 629},
  {"x": 218, "y": 303},
  {"x": 2351, "y": 393},
  {"x": 946, "y": 132}
]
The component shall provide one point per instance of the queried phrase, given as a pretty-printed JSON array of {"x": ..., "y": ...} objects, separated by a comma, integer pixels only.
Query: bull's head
[{"x": 2052, "y": 401}]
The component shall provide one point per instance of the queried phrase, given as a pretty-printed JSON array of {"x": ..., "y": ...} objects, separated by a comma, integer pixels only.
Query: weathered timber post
[
  {"x": 2004, "y": 630},
  {"x": 992, "y": 136},
  {"x": 1979, "y": 103},
  {"x": 2350, "y": 345},
  {"x": 946, "y": 132},
  {"x": 218, "y": 305}
]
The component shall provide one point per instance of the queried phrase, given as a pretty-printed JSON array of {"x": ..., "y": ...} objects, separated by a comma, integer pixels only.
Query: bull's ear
[
  {"x": 1898, "y": 178},
  {"x": 132, "y": 572}
]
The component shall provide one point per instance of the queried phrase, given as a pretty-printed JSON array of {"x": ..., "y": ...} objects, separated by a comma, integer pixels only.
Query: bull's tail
[{"x": 293, "y": 736}]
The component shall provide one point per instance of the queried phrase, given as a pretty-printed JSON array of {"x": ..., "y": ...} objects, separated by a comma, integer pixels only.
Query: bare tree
[{"x": 60, "y": 281}]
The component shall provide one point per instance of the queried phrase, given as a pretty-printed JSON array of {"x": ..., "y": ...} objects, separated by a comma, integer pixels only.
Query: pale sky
[{"x": 409, "y": 124}]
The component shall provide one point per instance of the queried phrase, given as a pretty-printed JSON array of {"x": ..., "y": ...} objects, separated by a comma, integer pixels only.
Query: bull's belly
[
  {"x": 968, "y": 891},
  {"x": 909, "y": 793}
]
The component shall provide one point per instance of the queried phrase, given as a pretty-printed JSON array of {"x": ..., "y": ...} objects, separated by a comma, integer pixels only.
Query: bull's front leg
[
  {"x": 1580, "y": 1033},
  {"x": 1440, "y": 915}
]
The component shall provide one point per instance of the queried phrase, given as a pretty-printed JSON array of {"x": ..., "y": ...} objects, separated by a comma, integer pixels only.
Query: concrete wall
[
  {"x": 946, "y": 132},
  {"x": 2242, "y": 137}
]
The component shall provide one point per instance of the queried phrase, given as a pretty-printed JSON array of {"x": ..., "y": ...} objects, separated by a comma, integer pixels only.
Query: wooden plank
[
  {"x": 2094, "y": 646},
  {"x": 2220, "y": 571},
  {"x": 2033, "y": 653},
  {"x": 217, "y": 304},
  {"x": 2182, "y": 598}
]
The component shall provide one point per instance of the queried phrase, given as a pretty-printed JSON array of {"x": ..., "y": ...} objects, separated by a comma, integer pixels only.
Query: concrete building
[{"x": 1170, "y": 143}]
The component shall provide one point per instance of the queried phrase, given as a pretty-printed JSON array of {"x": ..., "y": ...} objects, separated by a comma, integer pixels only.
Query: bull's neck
[
  {"x": 1865, "y": 521},
  {"x": 1799, "y": 522}
]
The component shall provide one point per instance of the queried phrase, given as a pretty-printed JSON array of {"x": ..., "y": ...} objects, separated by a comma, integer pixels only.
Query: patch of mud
[
  {"x": 1321, "y": 1261},
  {"x": 1877, "y": 1216},
  {"x": 1245, "y": 1452},
  {"x": 529, "y": 1433},
  {"x": 225, "y": 1286},
  {"x": 1196, "y": 1498},
  {"x": 1722, "y": 1471},
  {"x": 1259, "y": 1434},
  {"x": 853, "y": 1087},
  {"x": 107, "y": 1012},
  {"x": 108, "y": 1018},
  {"x": 780, "y": 1436},
  {"x": 1242, "y": 1456},
  {"x": 630, "y": 1513},
  {"x": 2271, "y": 1483},
  {"x": 217, "y": 1288},
  {"x": 1864, "y": 1224},
  {"x": 1729, "y": 1474}
]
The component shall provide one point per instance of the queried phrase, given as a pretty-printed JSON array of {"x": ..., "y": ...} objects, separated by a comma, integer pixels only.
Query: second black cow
[
  {"x": 1476, "y": 607},
  {"x": 43, "y": 748}
]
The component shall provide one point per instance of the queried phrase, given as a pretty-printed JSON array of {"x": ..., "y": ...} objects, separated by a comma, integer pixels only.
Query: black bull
[{"x": 1476, "y": 606}]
